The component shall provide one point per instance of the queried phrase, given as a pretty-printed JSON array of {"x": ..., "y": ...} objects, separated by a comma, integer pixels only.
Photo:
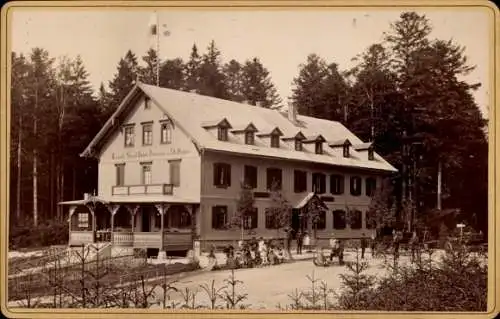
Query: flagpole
[{"x": 157, "y": 49}]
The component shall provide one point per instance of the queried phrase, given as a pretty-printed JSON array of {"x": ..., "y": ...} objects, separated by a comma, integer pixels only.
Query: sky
[{"x": 280, "y": 39}]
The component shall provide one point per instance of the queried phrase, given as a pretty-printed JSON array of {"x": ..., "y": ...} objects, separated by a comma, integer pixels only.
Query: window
[
  {"x": 120, "y": 174},
  {"x": 222, "y": 134},
  {"x": 346, "y": 150},
  {"x": 355, "y": 186},
  {"x": 271, "y": 222},
  {"x": 83, "y": 220},
  {"x": 175, "y": 172},
  {"x": 222, "y": 175},
  {"x": 146, "y": 174},
  {"x": 371, "y": 186},
  {"x": 147, "y": 103},
  {"x": 251, "y": 219},
  {"x": 166, "y": 133},
  {"x": 319, "y": 148},
  {"x": 129, "y": 136},
  {"x": 298, "y": 145},
  {"x": 319, "y": 183},
  {"x": 275, "y": 141},
  {"x": 250, "y": 177},
  {"x": 339, "y": 221},
  {"x": 337, "y": 184},
  {"x": 274, "y": 178},
  {"x": 355, "y": 218},
  {"x": 371, "y": 155},
  {"x": 320, "y": 220},
  {"x": 300, "y": 181},
  {"x": 249, "y": 138},
  {"x": 179, "y": 218},
  {"x": 147, "y": 134},
  {"x": 219, "y": 217}
]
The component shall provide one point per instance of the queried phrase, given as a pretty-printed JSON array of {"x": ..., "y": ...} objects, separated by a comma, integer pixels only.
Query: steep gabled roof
[{"x": 189, "y": 112}]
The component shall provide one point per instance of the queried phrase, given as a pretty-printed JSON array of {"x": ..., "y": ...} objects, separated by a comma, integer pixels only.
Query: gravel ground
[{"x": 269, "y": 286}]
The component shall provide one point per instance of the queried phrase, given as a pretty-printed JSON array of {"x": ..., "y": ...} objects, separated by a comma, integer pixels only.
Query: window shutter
[
  {"x": 216, "y": 174},
  {"x": 228, "y": 175}
]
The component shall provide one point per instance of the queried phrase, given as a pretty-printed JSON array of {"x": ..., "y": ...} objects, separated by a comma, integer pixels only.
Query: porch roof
[
  {"x": 309, "y": 197},
  {"x": 132, "y": 200}
]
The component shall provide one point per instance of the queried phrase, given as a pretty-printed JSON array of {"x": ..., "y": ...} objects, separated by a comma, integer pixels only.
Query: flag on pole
[{"x": 153, "y": 24}]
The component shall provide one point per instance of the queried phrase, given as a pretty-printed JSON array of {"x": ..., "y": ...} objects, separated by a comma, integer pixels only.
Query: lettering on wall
[{"x": 148, "y": 154}]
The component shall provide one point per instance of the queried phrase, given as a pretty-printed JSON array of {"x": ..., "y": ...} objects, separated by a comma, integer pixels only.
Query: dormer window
[
  {"x": 318, "y": 141},
  {"x": 371, "y": 155},
  {"x": 222, "y": 134},
  {"x": 249, "y": 138},
  {"x": 346, "y": 150},
  {"x": 222, "y": 127},
  {"x": 298, "y": 145},
  {"x": 275, "y": 141},
  {"x": 319, "y": 148},
  {"x": 345, "y": 144}
]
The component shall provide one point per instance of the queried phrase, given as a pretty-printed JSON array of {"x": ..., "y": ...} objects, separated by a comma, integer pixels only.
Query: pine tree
[
  {"x": 147, "y": 74},
  {"x": 334, "y": 95},
  {"x": 19, "y": 81},
  {"x": 257, "y": 87},
  {"x": 40, "y": 94},
  {"x": 212, "y": 80},
  {"x": 124, "y": 79},
  {"x": 172, "y": 74},
  {"x": 234, "y": 82},
  {"x": 192, "y": 71},
  {"x": 308, "y": 87}
]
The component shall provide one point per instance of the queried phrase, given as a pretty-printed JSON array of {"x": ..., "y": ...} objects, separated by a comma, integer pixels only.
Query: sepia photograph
[{"x": 249, "y": 159}]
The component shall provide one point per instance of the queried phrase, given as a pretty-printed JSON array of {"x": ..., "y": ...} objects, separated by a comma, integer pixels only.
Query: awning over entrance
[
  {"x": 310, "y": 199},
  {"x": 131, "y": 200}
]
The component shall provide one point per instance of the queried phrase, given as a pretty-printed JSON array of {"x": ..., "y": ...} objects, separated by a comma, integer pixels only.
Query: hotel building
[{"x": 171, "y": 165}]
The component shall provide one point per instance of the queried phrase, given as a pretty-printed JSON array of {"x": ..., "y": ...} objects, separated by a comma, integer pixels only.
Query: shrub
[
  {"x": 457, "y": 283},
  {"x": 51, "y": 232}
]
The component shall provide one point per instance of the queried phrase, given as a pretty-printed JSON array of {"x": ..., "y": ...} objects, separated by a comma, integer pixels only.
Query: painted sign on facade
[{"x": 148, "y": 154}]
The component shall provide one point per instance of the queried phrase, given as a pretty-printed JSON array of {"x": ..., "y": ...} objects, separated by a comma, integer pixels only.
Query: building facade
[{"x": 172, "y": 165}]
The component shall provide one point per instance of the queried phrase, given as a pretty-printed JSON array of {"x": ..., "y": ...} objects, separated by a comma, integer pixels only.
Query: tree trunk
[
  {"x": 19, "y": 165},
  {"x": 52, "y": 185},
  {"x": 74, "y": 182},
  {"x": 35, "y": 163},
  {"x": 438, "y": 206}
]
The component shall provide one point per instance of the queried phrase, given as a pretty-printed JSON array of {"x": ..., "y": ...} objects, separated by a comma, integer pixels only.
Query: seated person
[{"x": 319, "y": 258}]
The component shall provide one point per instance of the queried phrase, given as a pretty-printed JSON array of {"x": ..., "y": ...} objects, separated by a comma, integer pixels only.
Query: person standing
[
  {"x": 413, "y": 246},
  {"x": 372, "y": 243},
  {"x": 300, "y": 242},
  {"x": 364, "y": 244},
  {"x": 341, "y": 252}
]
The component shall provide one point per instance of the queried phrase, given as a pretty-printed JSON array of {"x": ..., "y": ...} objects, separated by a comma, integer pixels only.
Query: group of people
[{"x": 253, "y": 253}]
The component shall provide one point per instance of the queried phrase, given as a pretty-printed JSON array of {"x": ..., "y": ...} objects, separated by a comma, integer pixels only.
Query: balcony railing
[
  {"x": 149, "y": 189},
  {"x": 172, "y": 240}
]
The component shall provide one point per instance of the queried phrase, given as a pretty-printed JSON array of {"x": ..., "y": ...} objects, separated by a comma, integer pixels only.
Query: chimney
[
  {"x": 86, "y": 196},
  {"x": 292, "y": 113}
]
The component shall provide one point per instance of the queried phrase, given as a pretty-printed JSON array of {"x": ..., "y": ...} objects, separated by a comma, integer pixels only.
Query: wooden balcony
[{"x": 149, "y": 189}]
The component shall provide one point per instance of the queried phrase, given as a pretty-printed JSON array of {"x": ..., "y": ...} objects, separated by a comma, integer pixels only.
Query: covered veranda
[{"x": 166, "y": 224}]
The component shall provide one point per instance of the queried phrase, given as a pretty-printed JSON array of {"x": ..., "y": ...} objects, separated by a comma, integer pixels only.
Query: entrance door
[{"x": 146, "y": 213}]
